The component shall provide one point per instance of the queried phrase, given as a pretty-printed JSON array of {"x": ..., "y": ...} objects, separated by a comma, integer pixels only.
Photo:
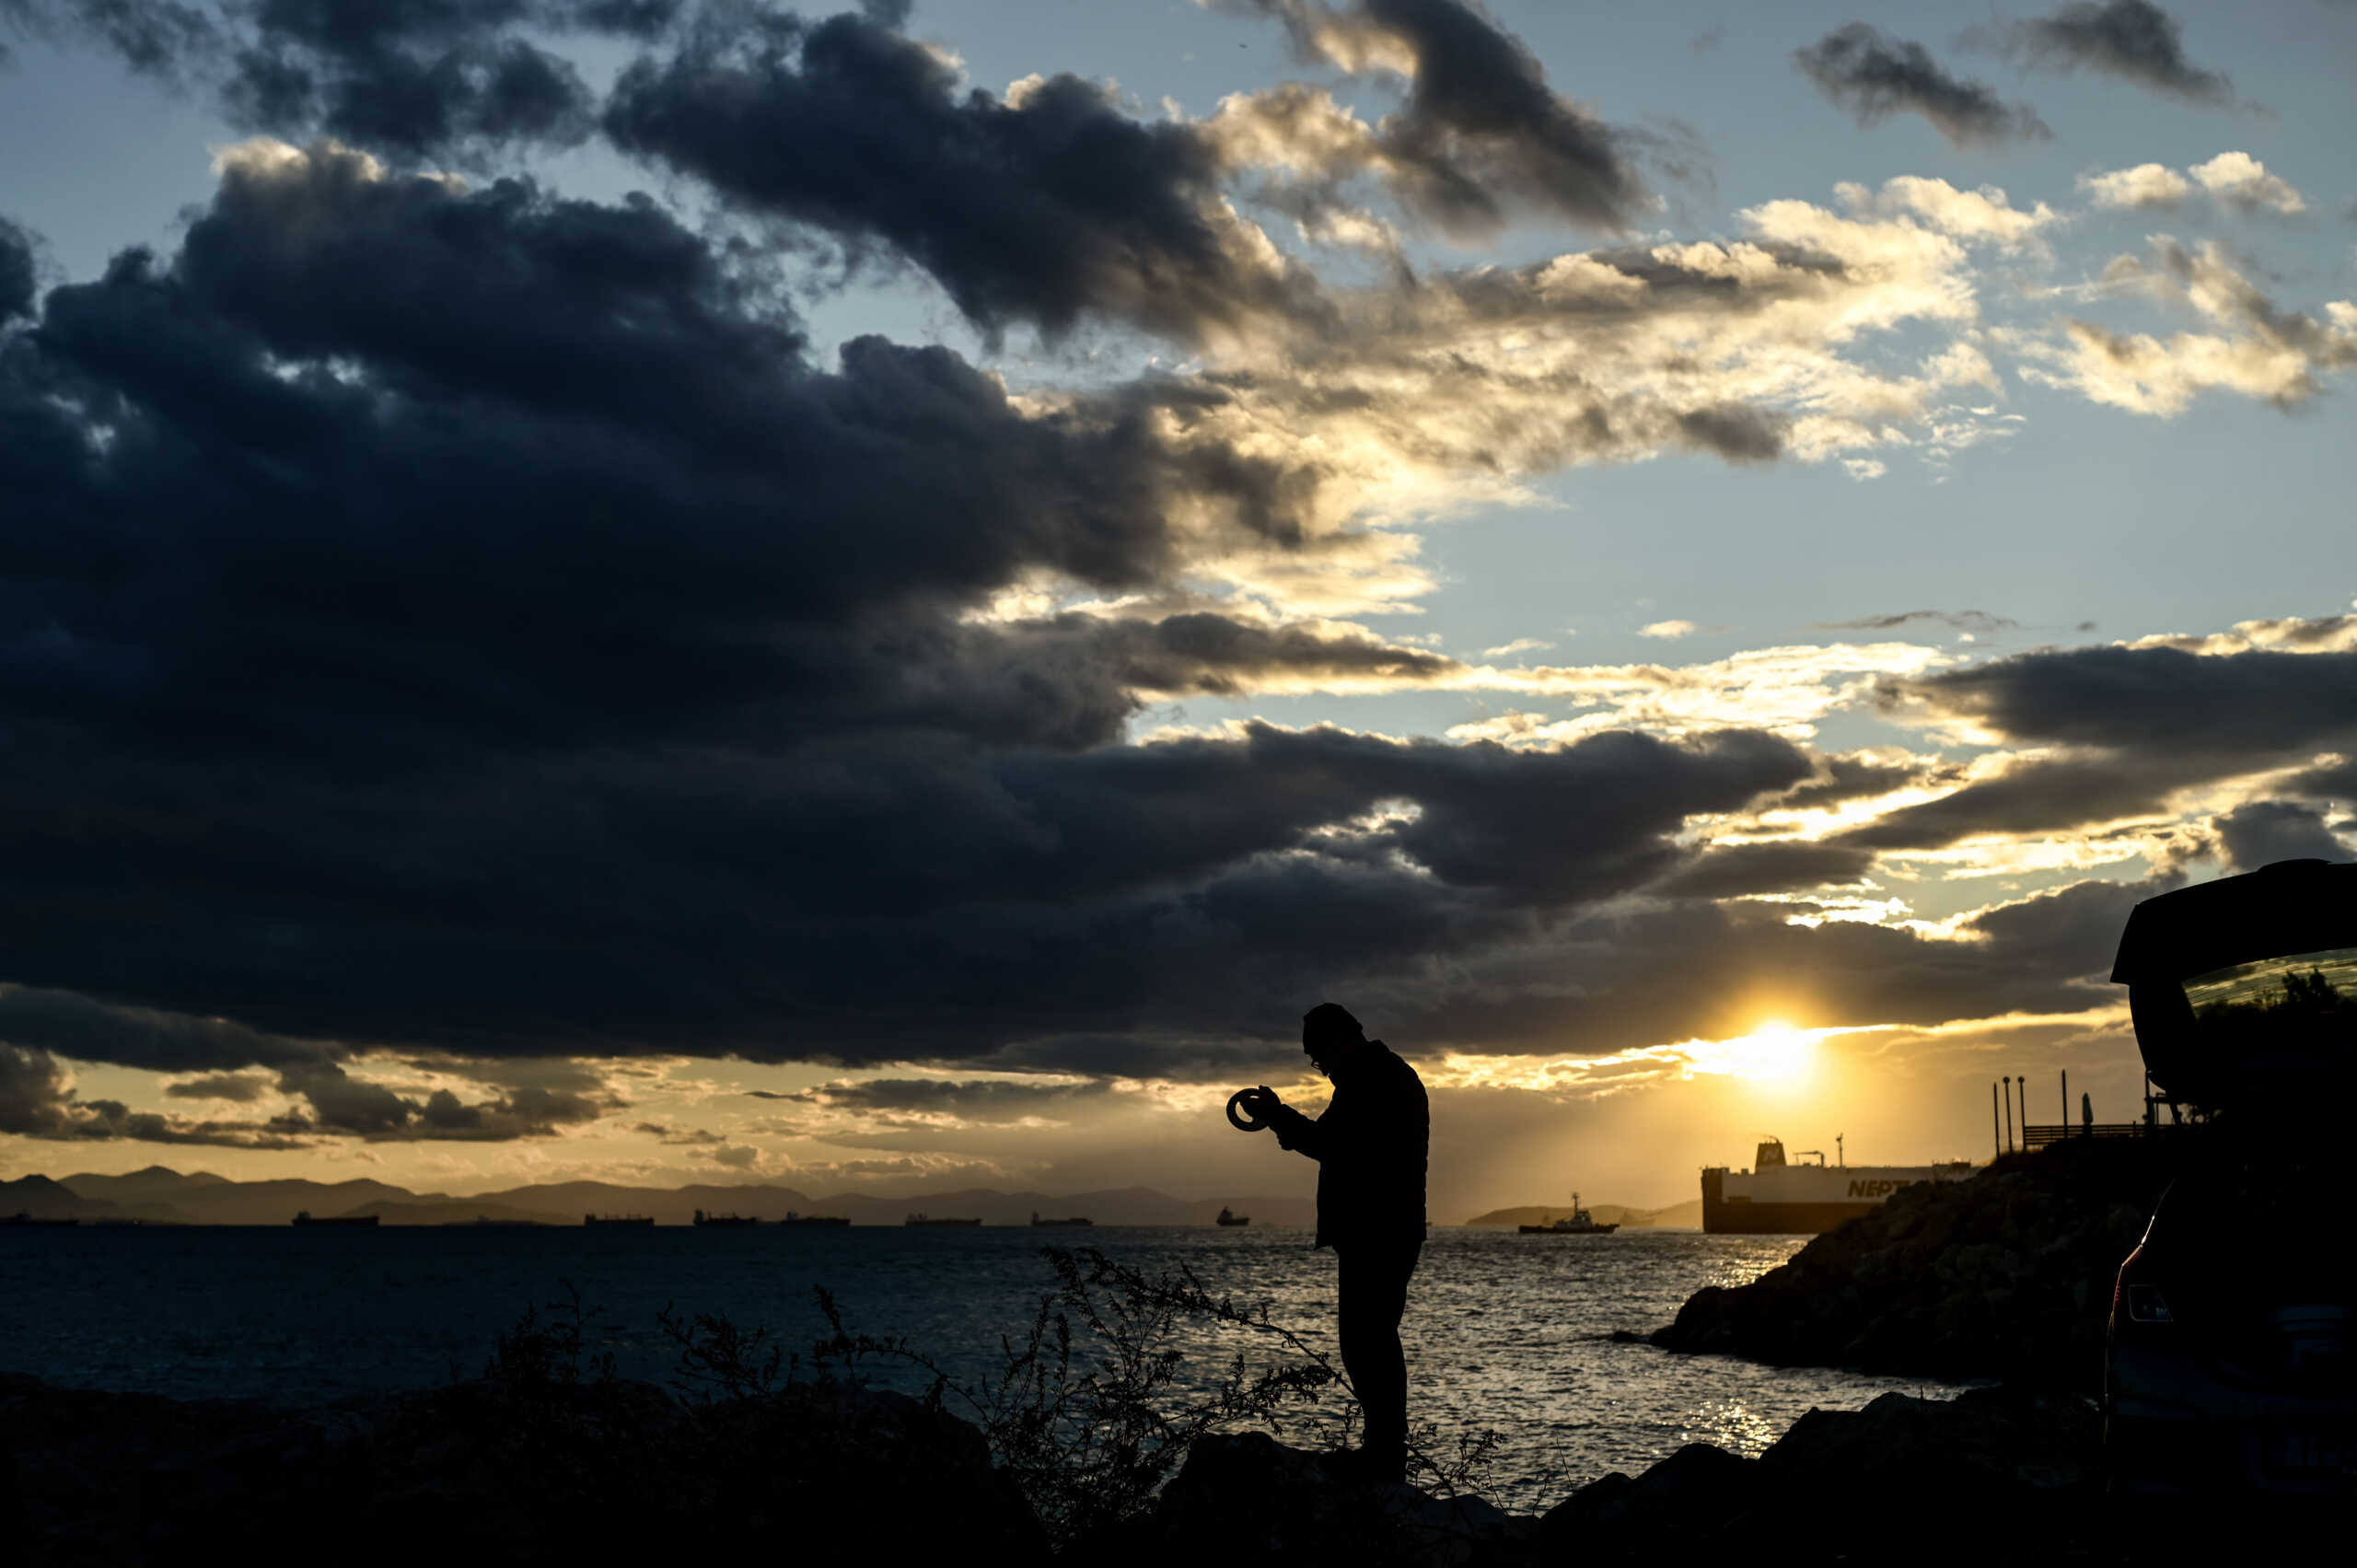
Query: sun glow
[{"x": 1774, "y": 1052}]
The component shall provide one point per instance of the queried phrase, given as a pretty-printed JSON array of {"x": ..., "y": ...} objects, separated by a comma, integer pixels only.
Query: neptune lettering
[{"x": 1876, "y": 1188}]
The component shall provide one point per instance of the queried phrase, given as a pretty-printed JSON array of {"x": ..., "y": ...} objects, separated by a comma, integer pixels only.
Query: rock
[
  {"x": 478, "y": 1471},
  {"x": 2007, "y": 1275},
  {"x": 1245, "y": 1500}
]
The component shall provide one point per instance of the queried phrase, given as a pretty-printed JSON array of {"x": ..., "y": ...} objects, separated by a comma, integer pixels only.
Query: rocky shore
[
  {"x": 483, "y": 1472},
  {"x": 2007, "y": 1276}
]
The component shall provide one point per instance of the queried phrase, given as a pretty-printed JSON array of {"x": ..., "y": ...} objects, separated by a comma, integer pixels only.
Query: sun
[{"x": 1774, "y": 1052}]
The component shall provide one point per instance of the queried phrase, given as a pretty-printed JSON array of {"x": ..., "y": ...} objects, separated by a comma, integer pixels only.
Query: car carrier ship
[{"x": 1776, "y": 1197}]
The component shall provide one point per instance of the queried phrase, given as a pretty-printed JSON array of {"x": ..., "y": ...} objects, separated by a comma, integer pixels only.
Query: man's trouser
[{"x": 1372, "y": 1289}]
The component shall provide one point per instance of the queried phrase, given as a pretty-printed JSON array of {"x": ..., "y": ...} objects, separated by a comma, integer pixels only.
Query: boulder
[
  {"x": 2005, "y": 1277},
  {"x": 494, "y": 1470}
]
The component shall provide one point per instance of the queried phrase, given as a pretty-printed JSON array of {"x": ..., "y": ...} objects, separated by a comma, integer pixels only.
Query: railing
[{"x": 2039, "y": 1137}]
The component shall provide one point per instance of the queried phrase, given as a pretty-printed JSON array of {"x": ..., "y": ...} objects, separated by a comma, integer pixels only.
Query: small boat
[
  {"x": 929, "y": 1220},
  {"x": 703, "y": 1218},
  {"x": 1579, "y": 1222},
  {"x": 617, "y": 1219},
  {"x": 793, "y": 1218},
  {"x": 1076, "y": 1219},
  {"x": 1229, "y": 1217},
  {"x": 304, "y": 1217}
]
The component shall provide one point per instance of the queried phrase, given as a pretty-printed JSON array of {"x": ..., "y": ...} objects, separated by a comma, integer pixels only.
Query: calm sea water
[{"x": 1508, "y": 1334}]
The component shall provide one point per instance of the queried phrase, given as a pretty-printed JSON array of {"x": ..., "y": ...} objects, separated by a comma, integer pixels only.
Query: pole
[
  {"x": 1996, "y": 1144},
  {"x": 2009, "y": 1113},
  {"x": 2066, "y": 1099}
]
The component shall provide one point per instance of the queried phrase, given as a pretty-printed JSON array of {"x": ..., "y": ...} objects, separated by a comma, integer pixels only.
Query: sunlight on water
[{"x": 1507, "y": 1333}]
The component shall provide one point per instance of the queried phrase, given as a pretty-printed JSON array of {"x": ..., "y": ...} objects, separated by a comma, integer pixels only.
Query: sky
[{"x": 675, "y": 590}]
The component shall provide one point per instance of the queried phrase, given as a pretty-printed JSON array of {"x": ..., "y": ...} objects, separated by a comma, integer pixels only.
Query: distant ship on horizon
[
  {"x": 1579, "y": 1222},
  {"x": 1777, "y": 1197},
  {"x": 928, "y": 1220},
  {"x": 636, "y": 1220},
  {"x": 704, "y": 1219},
  {"x": 794, "y": 1218},
  {"x": 1074, "y": 1219},
  {"x": 304, "y": 1217},
  {"x": 1226, "y": 1217}
]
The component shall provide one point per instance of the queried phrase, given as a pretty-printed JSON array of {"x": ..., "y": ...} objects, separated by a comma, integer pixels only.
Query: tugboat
[
  {"x": 1227, "y": 1218},
  {"x": 1578, "y": 1222},
  {"x": 703, "y": 1218}
]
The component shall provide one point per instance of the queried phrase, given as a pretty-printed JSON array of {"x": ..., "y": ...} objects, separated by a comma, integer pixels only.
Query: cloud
[
  {"x": 2241, "y": 180},
  {"x": 2259, "y": 832},
  {"x": 2265, "y": 351},
  {"x": 2147, "y": 186},
  {"x": 245, "y": 1088},
  {"x": 1481, "y": 137},
  {"x": 1983, "y": 214},
  {"x": 908, "y": 1103},
  {"x": 1666, "y": 629},
  {"x": 2236, "y": 179},
  {"x": 1044, "y": 207},
  {"x": 1519, "y": 645},
  {"x": 38, "y": 1100},
  {"x": 17, "y": 276},
  {"x": 1977, "y": 622},
  {"x": 1857, "y": 68},
  {"x": 2132, "y": 39}
]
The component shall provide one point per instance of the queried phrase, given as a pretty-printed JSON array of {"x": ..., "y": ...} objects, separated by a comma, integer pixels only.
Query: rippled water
[{"x": 1508, "y": 1333}]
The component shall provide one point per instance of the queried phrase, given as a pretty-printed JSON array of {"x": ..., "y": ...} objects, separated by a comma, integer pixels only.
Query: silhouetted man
[{"x": 1370, "y": 1148}]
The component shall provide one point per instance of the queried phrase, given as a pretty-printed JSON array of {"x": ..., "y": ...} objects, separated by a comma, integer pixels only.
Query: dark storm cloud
[
  {"x": 1737, "y": 432},
  {"x": 462, "y": 621},
  {"x": 2153, "y": 702},
  {"x": 1977, "y": 622},
  {"x": 242, "y": 1088},
  {"x": 2132, "y": 39},
  {"x": 1873, "y": 78},
  {"x": 344, "y": 1105},
  {"x": 76, "y": 1026},
  {"x": 905, "y": 1100},
  {"x": 1854, "y": 778},
  {"x": 1737, "y": 870},
  {"x": 2262, "y": 831},
  {"x": 17, "y": 280},
  {"x": 38, "y": 1100},
  {"x": 2042, "y": 796},
  {"x": 1481, "y": 132},
  {"x": 1043, "y": 209}
]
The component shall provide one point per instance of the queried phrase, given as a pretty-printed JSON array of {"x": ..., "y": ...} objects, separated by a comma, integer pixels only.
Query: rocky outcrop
[
  {"x": 2007, "y": 1275},
  {"x": 1857, "y": 1484},
  {"x": 483, "y": 1472}
]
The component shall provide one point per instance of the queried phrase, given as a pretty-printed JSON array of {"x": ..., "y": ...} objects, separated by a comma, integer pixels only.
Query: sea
[{"x": 1506, "y": 1334}]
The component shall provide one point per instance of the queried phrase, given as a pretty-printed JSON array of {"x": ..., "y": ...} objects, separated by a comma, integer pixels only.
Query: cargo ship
[
  {"x": 1229, "y": 1218},
  {"x": 634, "y": 1220},
  {"x": 794, "y": 1218},
  {"x": 1776, "y": 1197},
  {"x": 704, "y": 1219},
  {"x": 929, "y": 1220},
  {"x": 1065, "y": 1224},
  {"x": 304, "y": 1217}
]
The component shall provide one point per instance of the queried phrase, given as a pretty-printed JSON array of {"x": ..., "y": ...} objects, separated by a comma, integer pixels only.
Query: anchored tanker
[{"x": 1775, "y": 1196}]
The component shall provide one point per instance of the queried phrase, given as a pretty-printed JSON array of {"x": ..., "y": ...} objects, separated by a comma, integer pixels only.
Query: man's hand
[{"x": 1262, "y": 1103}]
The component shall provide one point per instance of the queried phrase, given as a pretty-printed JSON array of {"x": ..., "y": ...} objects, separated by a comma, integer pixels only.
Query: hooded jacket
[{"x": 1371, "y": 1144}]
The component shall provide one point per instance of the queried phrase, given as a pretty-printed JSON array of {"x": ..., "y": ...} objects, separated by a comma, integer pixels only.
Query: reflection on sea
[{"x": 1504, "y": 1333}]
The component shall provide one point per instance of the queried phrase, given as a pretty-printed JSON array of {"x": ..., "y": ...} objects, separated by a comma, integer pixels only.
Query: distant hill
[
  {"x": 47, "y": 1199},
  {"x": 159, "y": 1193},
  {"x": 1687, "y": 1215}
]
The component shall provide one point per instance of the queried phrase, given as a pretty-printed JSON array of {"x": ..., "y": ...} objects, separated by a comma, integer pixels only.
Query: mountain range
[{"x": 159, "y": 1195}]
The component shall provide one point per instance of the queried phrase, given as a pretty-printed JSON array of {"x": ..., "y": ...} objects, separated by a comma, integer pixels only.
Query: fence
[{"x": 2039, "y": 1137}]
